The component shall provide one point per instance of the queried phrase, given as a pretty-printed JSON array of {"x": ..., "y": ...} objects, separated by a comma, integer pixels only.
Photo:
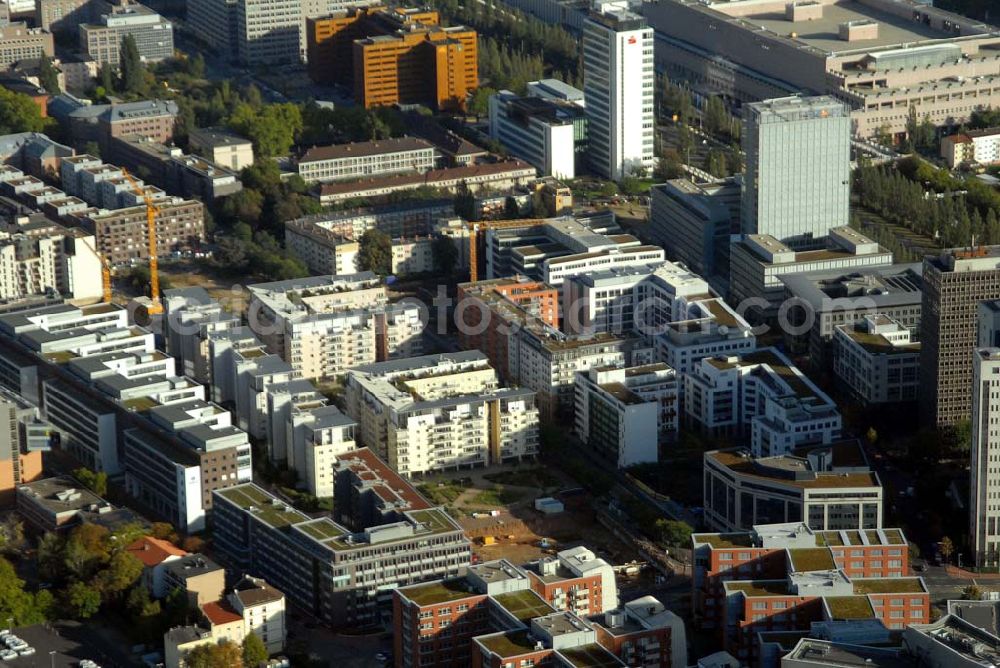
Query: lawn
[
  {"x": 497, "y": 496},
  {"x": 440, "y": 494},
  {"x": 536, "y": 477}
]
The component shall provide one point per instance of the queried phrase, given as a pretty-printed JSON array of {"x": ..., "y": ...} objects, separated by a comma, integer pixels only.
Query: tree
[
  {"x": 272, "y": 129},
  {"x": 164, "y": 531},
  {"x": 445, "y": 255},
  {"x": 668, "y": 166},
  {"x": 871, "y": 436},
  {"x": 15, "y": 603},
  {"x": 48, "y": 75},
  {"x": 715, "y": 115},
  {"x": 83, "y": 600},
  {"x": 375, "y": 252},
  {"x": 225, "y": 654},
  {"x": 131, "y": 70},
  {"x": 95, "y": 482},
  {"x": 947, "y": 549},
  {"x": 254, "y": 651},
  {"x": 972, "y": 593},
  {"x": 123, "y": 570},
  {"x": 479, "y": 103},
  {"x": 673, "y": 532},
  {"x": 19, "y": 113}
]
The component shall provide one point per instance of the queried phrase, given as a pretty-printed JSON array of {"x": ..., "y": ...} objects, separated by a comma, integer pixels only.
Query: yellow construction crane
[
  {"x": 475, "y": 226},
  {"x": 154, "y": 271}
]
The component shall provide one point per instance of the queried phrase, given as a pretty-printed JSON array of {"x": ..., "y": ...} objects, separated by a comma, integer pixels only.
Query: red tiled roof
[
  {"x": 217, "y": 613},
  {"x": 153, "y": 551},
  {"x": 389, "y": 478}
]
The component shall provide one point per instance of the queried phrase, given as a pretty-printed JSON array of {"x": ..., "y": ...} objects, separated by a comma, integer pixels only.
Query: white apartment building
[
  {"x": 974, "y": 147},
  {"x": 317, "y": 436},
  {"x": 618, "y": 86},
  {"x": 344, "y": 162},
  {"x": 761, "y": 396},
  {"x": 758, "y": 262},
  {"x": 984, "y": 482},
  {"x": 877, "y": 360},
  {"x": 827, "y": 487},
  {"x": 282, "y": 399},
  {"x": 253, "y": 372},
  {"x": 702, "y": 328},
  {"x": 441, "y": 412},
  {"x": 641, "y": 298},
  {"x": 543, "y": 132},
  {"x": 323, "y": 325},
  {"x": 626, "y": 413},
  {"x": 64, "y": 260},
  {"x": 190, "y": 317},
  {"x": 262, "y": 608}
]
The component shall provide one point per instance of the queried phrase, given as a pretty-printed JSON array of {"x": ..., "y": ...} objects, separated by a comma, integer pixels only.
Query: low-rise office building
[
  {"x": 153, "y": 35},
  {"x": 825, "y": 300},
  {"x": 439, "y": 412},
  {"x": 222, "y": 147},
  {"x": 759, "y": 260},
  {"x": 760, "y": 396},
  {"x": 324, "y": 325},
  {"x": 61, "y": 503},
  {"x": 702, "y": 328},
  {"x": 343, "y": 574},
  {"x": 343, "y": 162},
  {"x": 825, "y": 486},
  {"x": 876, "y": 359},
  {"x": 626, "y": 413},
  {"x": 550, "y": 135}
]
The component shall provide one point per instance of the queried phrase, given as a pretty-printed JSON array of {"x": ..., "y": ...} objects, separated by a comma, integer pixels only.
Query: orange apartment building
[
  {"x": 394, "y": 56},
  {"x": 784, "y": 577},
  {"x": 503, "y": 304},
  {"x": 492, "y": 616}
]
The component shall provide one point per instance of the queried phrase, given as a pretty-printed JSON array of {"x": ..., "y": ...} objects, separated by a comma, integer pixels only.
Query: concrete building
[
  {"x": 701, "y": 328},
  {"x": 440, "y": 412},
  {"x": 983, "y": 481},
  {"x": 882, "y": 58},
  {"x": 154, "y": 554},
  {"x": 262, "y": 608},
  {"x": 24, "y": 436},
  {"x": 324, "y": 325},
  {"x": 639, "y": 299},
  {"x": 828, "y": 487},
  {"x": 344, "y": 162},
  {"x": 618, "y": 87},
  {"x": 57, "y": 504},
  {"x": 694, "y": 223},
  {"x": 973, "y": 147},
  {"x": 201, "y": 579},
  {"x": 550, "y": 135},
  {"x": 797, "y": 182},
  {"x": 497, "y": 175},
  {"x": 626, "y": 413},
  {"x": 38, "y": 256},
  {"x": 190, "y": 317},
  {"x": 876, "y": 359},
  {"x": 758, "y": 261},
  {"x": 954, "y": 283},
  {"x": 318, "y": 436},
  {"x": 261, "y": 535},
  {"x": 823, "y": 300},
  {"x": 170, "y": 169},
  {"x": 550, "y": 249},
  {"x": 574, "y": 580},
  {"x": 153, "y": 119},
  {"x": 761, "y": 396},
  {"x": 222, "y": 147},
  {"x": 18, "y": 42},
  {"x": 153, "y": 35},
  {"x": 746, "y": 583},
  {"x": 951, "y": 641}
]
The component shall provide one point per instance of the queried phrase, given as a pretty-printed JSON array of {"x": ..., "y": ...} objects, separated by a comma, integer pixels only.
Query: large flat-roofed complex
[
  {"x": 440, "y": 412},
  {"x": 153, "y": 35},
  {"x": 824, "y": 486},
  {"x": 343, "y": 572},
  {"x": 876, "y": 359},
  {"x": 882, "y": 57}
]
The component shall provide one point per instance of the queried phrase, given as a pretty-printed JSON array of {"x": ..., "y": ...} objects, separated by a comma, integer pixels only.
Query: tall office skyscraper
[
  {"x": 984, "y": 481},
  {"x": 618, "y": 88},
  {"x": 953, "y": 285},
  {"x": 798, "y": 173}
]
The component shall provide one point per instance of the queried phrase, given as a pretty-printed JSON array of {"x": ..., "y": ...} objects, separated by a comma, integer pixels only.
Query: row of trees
[
  {"x": 227, "y": 654},
  {"x": 505, "y": 65}
]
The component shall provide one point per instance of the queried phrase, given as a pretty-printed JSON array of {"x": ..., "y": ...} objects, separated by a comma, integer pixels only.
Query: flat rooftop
[
  {"x": 850, "y": 607},
  {"x": 795, "y": 469},
  {"x": 248, "y": 496},
  {"x": 523, "y": 605},
  {"x": 590, "y": 656},
  {"x": 760, "y": 588},
  {"x": 889, "y": 586},
  {"x": 505, "y": 645},
  {"x": 433, "y": 593}
]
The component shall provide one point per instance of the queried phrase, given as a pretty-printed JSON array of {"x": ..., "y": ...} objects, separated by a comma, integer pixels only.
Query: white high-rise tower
[
  {"x": 618, "y": 87},
  {"x": 984, "y": 479}
]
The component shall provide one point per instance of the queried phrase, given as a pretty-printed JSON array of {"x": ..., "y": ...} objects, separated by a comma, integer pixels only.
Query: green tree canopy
[
  {"x": 48, "y": 75},
  {"x": 224, "y": 654},
  {"x": 83, "y": 600},
  {"x": 445, "y": 255},
  {"x": 131, "y": 70},
  {"x": 375, "y": 252},
  {"x": 19, "y": 113},
  {"x": 272, "y": 128},
  {"x": 254, "y": 651},
  {"x": 95, "y": 482},
  {"x": 673, "y": 532}
]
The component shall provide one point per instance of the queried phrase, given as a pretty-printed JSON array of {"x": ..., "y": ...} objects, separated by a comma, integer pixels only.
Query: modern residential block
[
  {"x": 625, "y": 414},
  {"x": 550, "y": 135},
  {"x": 440, "y": 412}
]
